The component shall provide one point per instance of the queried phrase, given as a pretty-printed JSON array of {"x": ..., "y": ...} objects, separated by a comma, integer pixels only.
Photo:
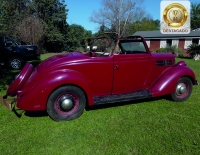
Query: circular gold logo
[{"x": 175, "y": 15}]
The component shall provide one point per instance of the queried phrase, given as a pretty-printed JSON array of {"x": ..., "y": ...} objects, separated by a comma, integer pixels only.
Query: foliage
[
  {"x": 42, "y": 23},
  {"x": 161, "y": 50},
  {"x": 30, "y": 30},
  {"x": 12, "y": 12},
  {"x": 54, "y": 14},
  {"x": 195, "y": 15},
  {"x": 116, "y": 14},
  {"x": 76, "y": 37},
  {"x": 193, "y": 50},
  {"x": 156, "y": 126},
  {"x": 143, "y": 24},
  {"x": 178, "y": 52}
]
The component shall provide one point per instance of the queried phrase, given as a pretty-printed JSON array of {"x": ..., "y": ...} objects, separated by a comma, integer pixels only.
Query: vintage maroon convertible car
[{"x": 65, "y": 84}]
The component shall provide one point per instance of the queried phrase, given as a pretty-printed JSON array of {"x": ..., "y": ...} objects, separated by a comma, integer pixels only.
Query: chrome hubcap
[
  {"x": 66, "y": 103},
  {"x": 16, "y": 64},
  {"x": 181, "y": 89}
]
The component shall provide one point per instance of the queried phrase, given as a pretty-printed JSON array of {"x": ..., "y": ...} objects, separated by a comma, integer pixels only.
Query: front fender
[
  {"x": 37, "y": 96},
  {"x": 167, "y": 81}
]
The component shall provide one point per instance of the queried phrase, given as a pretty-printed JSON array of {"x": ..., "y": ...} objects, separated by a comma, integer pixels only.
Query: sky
[{"x": 80, "y": 11}]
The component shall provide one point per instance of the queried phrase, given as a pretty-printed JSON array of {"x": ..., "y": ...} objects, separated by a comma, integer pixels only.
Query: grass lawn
[{"x": 157, "y": 126}]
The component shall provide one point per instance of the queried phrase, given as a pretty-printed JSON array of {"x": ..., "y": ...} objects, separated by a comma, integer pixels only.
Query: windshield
[
  {"x": 131, "y": 47},
  {"x": 101, "y": 46},
  {"x": 108, "y": 45}
]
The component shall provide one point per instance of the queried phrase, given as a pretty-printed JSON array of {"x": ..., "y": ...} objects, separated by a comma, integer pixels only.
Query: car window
[
  {"x": 133, "y": 47},
  {"x": 10, "y": 42}
]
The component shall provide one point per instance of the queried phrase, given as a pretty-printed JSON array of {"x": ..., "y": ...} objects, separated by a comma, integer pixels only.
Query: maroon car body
[{"x": 66, "y": 83}]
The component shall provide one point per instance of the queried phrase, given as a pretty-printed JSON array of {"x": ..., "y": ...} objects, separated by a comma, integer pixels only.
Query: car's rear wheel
[
  {"x": 20, "y": 80},
  {"x": 16, "y": 63},
  {"x": 66, "y": 103},
  {"x": 182, "y": 90}
]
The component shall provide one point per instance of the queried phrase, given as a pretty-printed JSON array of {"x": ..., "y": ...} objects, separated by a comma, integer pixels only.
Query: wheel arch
[
  {"x": 72, "y": 84},
  {"x": 183, "y": 89},
  {"x": 16, "y": 54},
  {"x": 66, "y": 103},
  {"x": 49, "y": 83},
  {"x": 191, "y": 78},
  {"x": 167, "y": 81}
]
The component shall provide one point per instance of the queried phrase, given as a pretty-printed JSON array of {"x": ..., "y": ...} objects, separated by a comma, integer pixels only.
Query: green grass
[{"x": 157, "y": 126}]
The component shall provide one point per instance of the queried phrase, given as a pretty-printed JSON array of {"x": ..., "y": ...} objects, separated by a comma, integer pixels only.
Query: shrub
[
  {"x": 161, "y": 50},
  {"x": 171, "y": 49},
  {"x": 179, "y": 52},
  {"x": 193, "y": 50}
]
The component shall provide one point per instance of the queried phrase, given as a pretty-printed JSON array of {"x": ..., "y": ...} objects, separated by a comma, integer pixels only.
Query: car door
[
  {"x": 1, "y": 50},
  {"x": 131, "y": 69},
  {"x": 8, "y": 45}
]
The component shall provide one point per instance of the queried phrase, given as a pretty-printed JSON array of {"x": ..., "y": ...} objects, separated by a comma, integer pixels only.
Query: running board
[{"x": 141, "y": 94}]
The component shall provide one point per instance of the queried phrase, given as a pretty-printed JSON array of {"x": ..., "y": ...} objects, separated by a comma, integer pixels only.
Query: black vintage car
[
  {"x": 2, "y": 74},
  {"x": 14, "y": 55}
]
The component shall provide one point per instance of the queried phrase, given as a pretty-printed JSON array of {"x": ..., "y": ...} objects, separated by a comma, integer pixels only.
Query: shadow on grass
[
  {"x": 36, "y": 114},
  {"x": 184, "y": 57},
  {"x": 139, "y": 101},
  {"x": 19, "y": 113},
  {"x": 95, "y": 107}
]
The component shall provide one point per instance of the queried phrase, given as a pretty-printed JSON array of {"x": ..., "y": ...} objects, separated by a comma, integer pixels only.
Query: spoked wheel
[
  {"x": 66, "y": 103},
  {"x": 16, "y": 63},
  {"x": 183, "y": 90}
]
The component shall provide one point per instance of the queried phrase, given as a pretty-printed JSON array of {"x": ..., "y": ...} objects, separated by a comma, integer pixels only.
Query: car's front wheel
[
  {"x": 16, "y": 63},
  {"x": 66, "y": 103},
  {"x": 182, "y": 90}
]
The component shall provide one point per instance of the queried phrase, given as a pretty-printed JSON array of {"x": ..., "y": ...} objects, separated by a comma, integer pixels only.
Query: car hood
[
  {"x": 162, "y": 56},
  {"x": 28, "y": 47}
]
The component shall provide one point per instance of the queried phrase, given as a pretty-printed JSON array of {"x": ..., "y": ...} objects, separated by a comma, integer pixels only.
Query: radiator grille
[{"x": 164, "y": 63}]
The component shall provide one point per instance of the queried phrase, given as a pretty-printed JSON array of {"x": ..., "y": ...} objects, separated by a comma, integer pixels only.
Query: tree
[
  {"x": 12, "y": 12},
  {"x": 76, "y": 38},
  {"x": 31, "y": 20},
  {"x": 195, "y": 16},
  {"x": 2, "y": 25},
  {"x": 144, "y": 24},
  {"x": 30, "y": 30},
  {"x": 19, "y": 21},
  {"x": 115, "y": 14},
  {"x": 54, "y": 14}
]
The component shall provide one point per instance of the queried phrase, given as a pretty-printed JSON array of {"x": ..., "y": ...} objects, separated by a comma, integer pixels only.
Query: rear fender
[
  {"x": 166, "y": 83},
  {"x": 37, "y": 96}
]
